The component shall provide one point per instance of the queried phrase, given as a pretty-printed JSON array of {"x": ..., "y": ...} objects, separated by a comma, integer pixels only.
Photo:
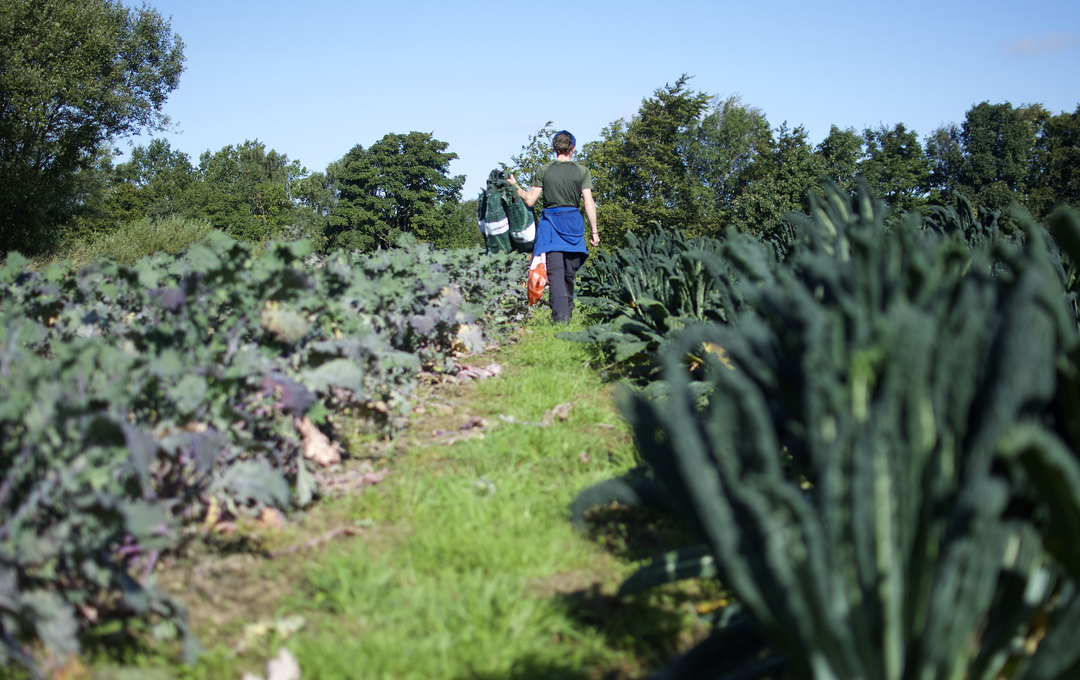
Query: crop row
[
  {"x": 133, "y": 397},
  {"x": 876, "y": 445}
]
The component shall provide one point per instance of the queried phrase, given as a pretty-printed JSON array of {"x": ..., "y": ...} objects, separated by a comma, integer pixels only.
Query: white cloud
[{"x": 1052, "y": 41}]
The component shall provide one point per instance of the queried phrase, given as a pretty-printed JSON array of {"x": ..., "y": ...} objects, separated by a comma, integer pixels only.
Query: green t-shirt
[{"x": 562, "y": 182}]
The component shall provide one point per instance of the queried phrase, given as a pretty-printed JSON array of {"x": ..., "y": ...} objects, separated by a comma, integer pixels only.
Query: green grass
[
  {"x": 469, "y": 566},
  {"x": 469, "y": 584}
]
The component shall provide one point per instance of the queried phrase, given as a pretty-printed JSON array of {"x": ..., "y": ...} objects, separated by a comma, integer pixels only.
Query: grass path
[{"x": 462, "y": 563}]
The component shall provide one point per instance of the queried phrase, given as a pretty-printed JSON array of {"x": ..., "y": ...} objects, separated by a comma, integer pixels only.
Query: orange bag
[{"x": 537, "y": 278}]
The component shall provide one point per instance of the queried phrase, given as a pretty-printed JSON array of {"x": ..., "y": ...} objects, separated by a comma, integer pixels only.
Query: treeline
[
  {"x": 695, "y": 161},
  {"x": 687, "y": 159},
  {"x": 363, "y": 201}
]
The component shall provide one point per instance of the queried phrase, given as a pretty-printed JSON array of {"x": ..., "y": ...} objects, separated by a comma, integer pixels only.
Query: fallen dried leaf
[
  {"x": 707, "y": 607},
  {"x": 721, "y": 353},
  {"x": 213, "y": 514},
  {"x": 90, "y": 613},
  {"x": 379, "y": 406},
  {"x": 562, "y": 412},
  {"x": 286, "y": 325},
  {"x": 469, "y": 339},
  {"x": 317, "y": 446},
  {"x": 479, "y": 372},
  {"x": 285, "y": 627},
  {"x": 70, "y": 668},
  {"x": 284, "y": 667},
  {"x": 271, "y": 518},
  {"x": 255, "y": 632}
]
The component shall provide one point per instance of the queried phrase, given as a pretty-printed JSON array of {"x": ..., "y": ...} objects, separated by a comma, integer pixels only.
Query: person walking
[{"x": 561, "y": 231}]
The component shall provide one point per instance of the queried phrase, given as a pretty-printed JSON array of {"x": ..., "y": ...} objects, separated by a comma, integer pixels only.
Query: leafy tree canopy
[
  {"x": 535, "y": 153},
  {"x": 248, "y": 192},
  {"x": 945, "y": 152},
  {"x": 778, "y": 182},
  {"x": 1055, "y": 172},
  {"x": 719, "y": 148},
  {"x": 639, "y": 167},
  {"x": 841, "y": 153},
  {"x": 896, "y": 167},
  {"x": 155, "y": 181},
  {"x": 397, "y": 186},
  {"x": 460, "y": 229},
  {"x": 999, "y": 146},
  {"x": 74, "y": 74}
]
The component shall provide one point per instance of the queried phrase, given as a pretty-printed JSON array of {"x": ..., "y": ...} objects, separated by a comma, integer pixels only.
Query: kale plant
[
  {"x": 885, "y": 471},
  {"x": 643, "y": 294},
  {"x": 133, "y": 397}
]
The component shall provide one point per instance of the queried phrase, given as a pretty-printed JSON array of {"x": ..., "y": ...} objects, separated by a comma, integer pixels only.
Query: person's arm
[
  {"x": 529, "y": 196},
  {"x": 590, "y": 212}
]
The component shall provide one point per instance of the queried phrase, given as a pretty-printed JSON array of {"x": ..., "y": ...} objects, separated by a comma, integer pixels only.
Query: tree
[
  {"x": 156, "y": 181},
  {"x": 895, "y": 167},
  {"x": 248, "y": 192},
  {"x": 1055, "y": 172},
  {"x": 718, "y": 149},
  {"x": 945, "y": 152},
  {"x": 397, "y": 186},
  {"x": 535, "y": 153},
  {"x": 460, "y": 229},
  {"x": 317, "y": 195},
  {"x": 639, "y": 167},
  {"x": 999, "y": 146},
  {"x": 74, "y": 74},
  {"x": 86, "y": 214},
  {"x": 841, "y": 154},
  {"x": 777, "y": 182}
]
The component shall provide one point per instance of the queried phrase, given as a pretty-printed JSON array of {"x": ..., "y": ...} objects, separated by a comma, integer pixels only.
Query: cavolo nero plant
[
  {"x": 131, "y": 397},
  {"x": 644, "y": 294},
  {"x": 885, "y": 470}
]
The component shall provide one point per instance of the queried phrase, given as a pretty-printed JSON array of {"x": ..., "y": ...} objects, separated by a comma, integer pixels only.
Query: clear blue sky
[{"x": 312, "y": 80}]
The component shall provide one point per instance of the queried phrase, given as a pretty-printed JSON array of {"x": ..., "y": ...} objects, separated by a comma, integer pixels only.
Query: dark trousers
[{"x": 562, "y": 269}]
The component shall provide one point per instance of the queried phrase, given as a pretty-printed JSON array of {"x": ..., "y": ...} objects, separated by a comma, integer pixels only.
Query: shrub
[{"x": 136, "y": 240}]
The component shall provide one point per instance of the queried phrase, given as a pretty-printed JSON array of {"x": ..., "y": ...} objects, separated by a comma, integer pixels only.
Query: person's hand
[
  {"x": 511, "y": 180},
  {"x": 594, "y": 239}
]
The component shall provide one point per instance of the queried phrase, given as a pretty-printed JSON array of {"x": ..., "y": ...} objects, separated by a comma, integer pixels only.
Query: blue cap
[{"x": 573, "y": 141}]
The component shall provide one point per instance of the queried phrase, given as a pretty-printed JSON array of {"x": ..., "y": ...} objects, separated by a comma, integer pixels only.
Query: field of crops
[
  {"x": 137, "y": 401},
  {"x": 868, "y": 424},
  {"x": 871, "y": 429}
]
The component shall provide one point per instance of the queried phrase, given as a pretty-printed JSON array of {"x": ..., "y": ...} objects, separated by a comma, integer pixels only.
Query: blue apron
[{"x": 561, "y": 229}]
